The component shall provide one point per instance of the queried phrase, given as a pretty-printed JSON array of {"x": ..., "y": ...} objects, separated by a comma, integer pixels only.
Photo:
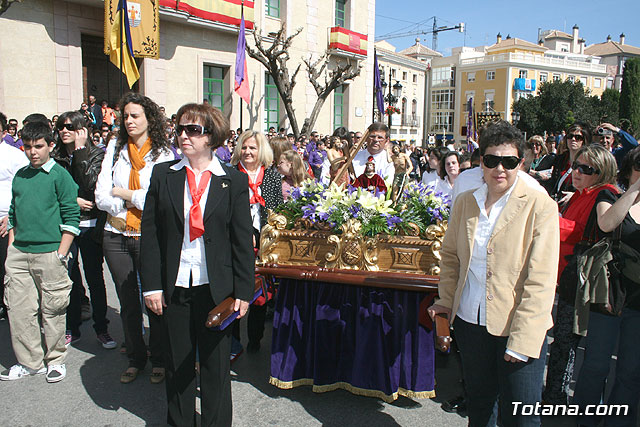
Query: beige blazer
[{"x": 522, "y": 265}]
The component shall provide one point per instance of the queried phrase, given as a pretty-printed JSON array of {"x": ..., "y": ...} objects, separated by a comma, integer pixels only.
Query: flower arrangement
[
  {"x": 329, "y": 207},
  {"x": 391, "y": 110}
]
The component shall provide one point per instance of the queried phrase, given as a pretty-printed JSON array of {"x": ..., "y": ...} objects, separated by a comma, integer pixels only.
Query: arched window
[{"x": 414, "y": 108}]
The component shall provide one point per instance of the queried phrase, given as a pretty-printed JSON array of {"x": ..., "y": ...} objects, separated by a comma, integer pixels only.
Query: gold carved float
[{"x": 306, "y": 245}]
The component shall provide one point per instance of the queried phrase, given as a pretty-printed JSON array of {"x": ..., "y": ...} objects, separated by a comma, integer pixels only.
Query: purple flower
[
  {"x": 354, "y": 210},
  {"x": 392, "y": 220},
  {"x": 295, "y": 193},
  {"x": 323, "y": 216},
  {"x": 351, "y": 189},
  {"x": 308, "y": 211}
]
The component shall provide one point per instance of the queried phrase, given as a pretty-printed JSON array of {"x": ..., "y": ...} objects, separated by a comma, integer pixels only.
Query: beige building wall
[{"x": 49, "y": 79}]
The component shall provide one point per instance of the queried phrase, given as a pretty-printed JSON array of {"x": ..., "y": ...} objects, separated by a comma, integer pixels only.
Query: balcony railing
[
  {"x": 411, "y": 120},
  {"x": 347, "y": 43},
  {"x": 528, "y": 58}
]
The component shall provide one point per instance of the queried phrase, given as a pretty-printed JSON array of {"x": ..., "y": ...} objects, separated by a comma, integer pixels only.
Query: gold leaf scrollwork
[
  {"x": 269, "y": 237},
  {"x": 435, "y": 233},
  {"x": 351, "y": 250}
]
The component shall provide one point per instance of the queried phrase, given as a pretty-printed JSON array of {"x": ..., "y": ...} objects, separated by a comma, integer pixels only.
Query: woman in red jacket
[{"x": 593, "y": 170}]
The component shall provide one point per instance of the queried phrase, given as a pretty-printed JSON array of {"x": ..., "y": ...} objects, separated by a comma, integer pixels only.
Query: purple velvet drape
[{"x": 368, "y": 338}]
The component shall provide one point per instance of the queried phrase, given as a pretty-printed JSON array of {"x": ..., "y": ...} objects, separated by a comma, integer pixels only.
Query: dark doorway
[{"x": 99, "y": 76}]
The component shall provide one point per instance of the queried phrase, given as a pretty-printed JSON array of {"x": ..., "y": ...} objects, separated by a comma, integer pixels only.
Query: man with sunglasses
[{"x": 497, "y": 282}]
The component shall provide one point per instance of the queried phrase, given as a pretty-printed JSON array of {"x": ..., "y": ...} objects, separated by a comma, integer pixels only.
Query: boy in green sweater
[{"x": 43, "y": 219}]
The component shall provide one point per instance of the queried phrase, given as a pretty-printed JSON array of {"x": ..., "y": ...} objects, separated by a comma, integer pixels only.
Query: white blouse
[{"x": 117, "y": 175}]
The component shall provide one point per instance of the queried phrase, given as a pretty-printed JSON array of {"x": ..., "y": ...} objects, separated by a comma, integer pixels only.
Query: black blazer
[{"x": 227, "y": 233}]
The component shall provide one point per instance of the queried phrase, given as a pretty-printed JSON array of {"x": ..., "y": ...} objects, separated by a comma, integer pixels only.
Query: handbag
[{"x": 603, "y": 262}]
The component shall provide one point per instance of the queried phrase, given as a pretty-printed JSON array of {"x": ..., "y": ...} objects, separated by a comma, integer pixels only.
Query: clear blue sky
[{"x": 483, "y": 20}]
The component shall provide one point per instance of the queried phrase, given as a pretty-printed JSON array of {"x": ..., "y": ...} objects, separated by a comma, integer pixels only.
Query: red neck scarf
[
  {"x": 256, "y": 198},
  {"x": 196, "y": 224}
]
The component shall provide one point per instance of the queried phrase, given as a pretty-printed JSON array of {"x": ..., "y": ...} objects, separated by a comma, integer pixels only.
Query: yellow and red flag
[{"x": 120, "y": 48}]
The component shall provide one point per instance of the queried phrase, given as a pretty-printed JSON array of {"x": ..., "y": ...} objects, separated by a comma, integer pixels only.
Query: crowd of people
[{"x": 160, "y": 198}]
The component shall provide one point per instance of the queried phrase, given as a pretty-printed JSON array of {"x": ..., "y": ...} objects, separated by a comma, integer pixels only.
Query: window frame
[
  {"x": 338, "y": 96},
  {"x": 340, "y": 21},
  {"x": 268, "y": 8},
  {"x": 493, "y": 75},
  {"x": 269, "y": 84},
  {"x": 209, "y": 95}
]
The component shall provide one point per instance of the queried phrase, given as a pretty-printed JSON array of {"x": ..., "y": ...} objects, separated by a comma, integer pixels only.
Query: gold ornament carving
[
  {"x": 351, "y": 250},
  {"x": 269, "y": 237}
]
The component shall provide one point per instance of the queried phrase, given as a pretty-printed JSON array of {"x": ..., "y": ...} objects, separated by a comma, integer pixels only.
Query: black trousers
[
  {"x": 123, "y": 258},
  {"x": 92, "y": 266},
  {"x": 184, "y": 319}
]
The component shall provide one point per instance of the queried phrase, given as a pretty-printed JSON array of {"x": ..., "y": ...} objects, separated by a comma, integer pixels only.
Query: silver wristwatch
[{"x": 64, "y": 259}]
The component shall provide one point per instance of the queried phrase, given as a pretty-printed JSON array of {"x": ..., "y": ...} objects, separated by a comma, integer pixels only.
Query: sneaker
[
  {"x": 69, "y": 338},
  {"x": 18, "y": 371},
  {"x": 86, "y": 311},
  {"x": 56, "y": 373},
  {"x": 106, "y": 341}
]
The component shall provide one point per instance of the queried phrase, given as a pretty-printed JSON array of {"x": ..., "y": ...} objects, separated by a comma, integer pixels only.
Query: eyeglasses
[
  {"x": 584, "y": 169},
  {"x": 509, "y": 162},
  {"x": 191, "y": 130},
  {"x": 576, "y": 136},
  {"x": 67, "y": 126}
]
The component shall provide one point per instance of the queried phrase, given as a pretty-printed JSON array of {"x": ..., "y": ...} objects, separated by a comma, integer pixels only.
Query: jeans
[
  {"x": 604, "y": 332},
  {"x": 123, "y": 258},
  {"x": 92, "y": 265},
  {"x": 4, "y": 244},
  {"x": 492, "y": 383}
]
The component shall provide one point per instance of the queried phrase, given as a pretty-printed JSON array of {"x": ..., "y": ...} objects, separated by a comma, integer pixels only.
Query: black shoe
[
  {"x": 253, "y": 347},
  {"x": 457, "y": 404},
  {"x": 3, "y": 312}
]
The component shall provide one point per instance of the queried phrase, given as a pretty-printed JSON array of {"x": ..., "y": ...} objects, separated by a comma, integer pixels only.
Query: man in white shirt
[
  {"x": 12, "y": 160},
  {"x": 377, "y": 142}
]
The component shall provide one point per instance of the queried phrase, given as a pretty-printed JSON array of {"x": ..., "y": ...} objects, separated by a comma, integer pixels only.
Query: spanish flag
[{"x": 117, "y": 44}]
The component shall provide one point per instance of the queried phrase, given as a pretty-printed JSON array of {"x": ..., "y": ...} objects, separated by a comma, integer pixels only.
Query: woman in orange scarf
[{"x": 121, "y": 191}]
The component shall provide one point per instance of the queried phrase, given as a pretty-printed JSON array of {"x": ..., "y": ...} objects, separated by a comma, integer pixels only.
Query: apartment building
[
  {"x": 495, "y": 76},
  {"x": 614, "y": 54},
  {"x": 408, "y": 68},
  {"x": 53, "y": 58}
]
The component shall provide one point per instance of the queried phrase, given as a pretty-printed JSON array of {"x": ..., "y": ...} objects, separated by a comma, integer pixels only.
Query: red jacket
[{"x": 574, "y": 220}]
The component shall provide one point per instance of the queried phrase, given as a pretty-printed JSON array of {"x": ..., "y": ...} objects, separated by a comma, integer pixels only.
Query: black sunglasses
[
  {"x": 575, "y": 136},
  {"x": 584, "y": 169},
  {"x": 191, "y": 130},
  {"x": 67, "y": 126},
  {"x": 509, "y": 162}
]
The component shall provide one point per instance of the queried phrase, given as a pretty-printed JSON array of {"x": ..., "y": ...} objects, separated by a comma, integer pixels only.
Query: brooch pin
[{"x": 224, "y": 185}]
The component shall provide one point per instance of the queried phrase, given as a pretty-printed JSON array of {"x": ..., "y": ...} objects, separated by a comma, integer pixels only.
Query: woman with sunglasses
[
  {"x": 497, "y": 282},
  {"x": 121, "y": 191},
  {"x": 254, "y": 157},
  {"x": 83, "y": 160},
  {"x": 605, "y": 331},
  {"x": 196, "y": 251},
  {"x": 560, "y": 183},
  {"x": 542, "y": 160},
  {"x": 593, "y": 171}
]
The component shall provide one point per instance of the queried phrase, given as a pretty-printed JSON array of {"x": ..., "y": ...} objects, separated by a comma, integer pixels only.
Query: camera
[{"x": 603, "y": 131}]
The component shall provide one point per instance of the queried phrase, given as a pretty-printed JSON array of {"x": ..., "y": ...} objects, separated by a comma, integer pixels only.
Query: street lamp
[
  {"x": 515, "y": 118},
  {"x": 391, "y": 98}
]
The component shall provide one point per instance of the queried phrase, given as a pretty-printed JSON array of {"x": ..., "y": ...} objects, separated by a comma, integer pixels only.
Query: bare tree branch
[
  {"x": 6, "y": 4},
  {"x": 273, "y": 54}
]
